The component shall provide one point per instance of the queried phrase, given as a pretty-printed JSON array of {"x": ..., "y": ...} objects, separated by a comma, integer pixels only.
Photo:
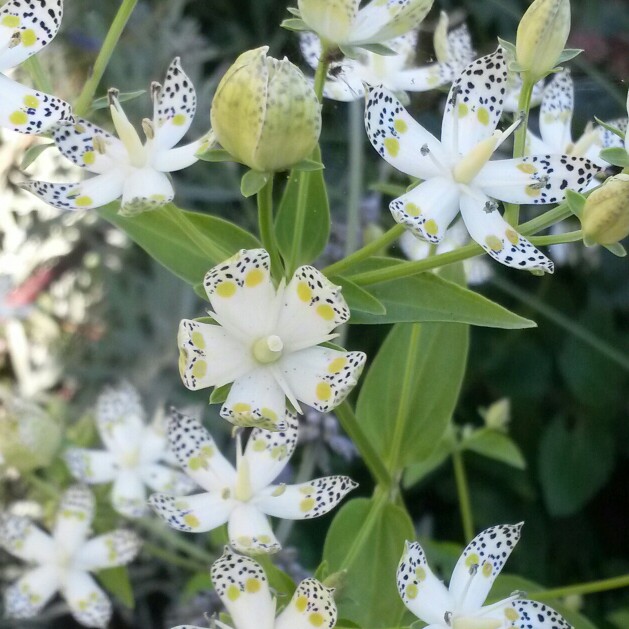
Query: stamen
[
  {"x": 503, "y": 135},
  {"x": 99, "y": 144},
  {"x": 490, "y": 206},
  {"x": 14, "y": 40},
  {"x": 148, "y": 128},
  {"x": 426, "y": 152},
  {"x": 456, "y": 90},
  {"x": 448, "y": 618},
  {"x": 156, "y": 90}
]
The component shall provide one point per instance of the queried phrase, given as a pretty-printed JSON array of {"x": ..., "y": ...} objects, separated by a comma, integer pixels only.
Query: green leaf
[
  {"x": 411, "y": 389},
  {"x": 617, "y": 249},
  {"x": 32, "y": 153},
  {"x": 219, "y": 394},
  {"x": 568, "y": 54},
  {"x": 308, "y": 165},
  {"x": 367, "y": 538},
  {"x": 215, "y": 155},
  {"x": 442, "y": 452},
  {"x": 123, "y": 97},
  {"x": 616, "y": 156},
  {"x": 252, "y": 182},
  {"x": 610, "y": 128},
  {"x": 294, "y": 24},
  {"x": 165, "y": 240},
  {"x": 576, "y": 202},
  {"x": 619, "y": 618},
  {"x": 116, "y": 581},
  {"x": 196, "y": 584},
  {"x": 495, "y": 445},
  {"x": 358, "y": 299},
  {"x": 379, "y": 49}
]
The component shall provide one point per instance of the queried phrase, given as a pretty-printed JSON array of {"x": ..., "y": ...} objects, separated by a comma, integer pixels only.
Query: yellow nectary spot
[
  {"x": 472, "y": 560},
  {"x": 307, "y": 504},
  {"x": 199, "y": 369},
  {"x": 483, "y": 115},
  {"x": 511, "y": 614},
  {"x": 462, "y": 110},
  {"x": 532, "y": 191},
  {"x": 244, "y": 541},
  {"x": 207, "y": 451},
  {"x": 337, "y": 364},
  {"x": 487, "y": 569},
  {"x": 232, "y": 592},
  {"x": 183, "y": 362},
  {"x": 420, "y": 573},
  {"x": 431, "y": 227},
  {"x": 89, "y": 157},
  {"x": 31, "y": 101},
  {"x": 83, "y": 201},
  {"x": 18, "y": 118},
  {"x": 252, "y": 585},
  {"x": 412, "y": 210},
  {"x": 529, "y": 169},
  {"x": 325, "y": 311},
  {"x": 494, "y": 243},
  {"x": 303, "y": 291},
  {"x": 316, "y": 619},
  {"x": 158, "y": 198},
  {"x": 306, "y": 489},
  {"x": 301, "y": 603},
  {"x": 268, "y": 413},
  {"x": 392, "y": 146},
  {"x": 28, "y": 37},
  {"x": 324, "y": 391},
  {"x": 264, "y": 539},
  {"x": 197, "y": 340},
  {"x": 411, "y": 591},
  {"x": 241, "y": 407},
  {"x": 191, "y": 520},
  {"x": 179, "y": 119},
  {"x": 400, "y": 125},
  {"x": 254, "y": 277},
  {"x": 226, "y": 289},
  {"x": 259, "y": 445},
  {"x": 11, "y": 21},
  {"x": 512, "y": 236}
]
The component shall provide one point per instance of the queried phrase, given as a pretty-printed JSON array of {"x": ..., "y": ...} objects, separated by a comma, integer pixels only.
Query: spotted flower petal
[
  {"x": 312, "y": 605},
  {"x": 108, "y": 551},
  {"x": 145, "y": 189},
  {"x": 161, "y": 478},
  {"x": 91, "y": 466},
  {"x": 555, "y": 115},
  {"x": 20, "y": 537},
  {"x": 181, "y": 157},
  {"x": 74, "y": 517},
  {"x": 28, "y": 595},
  {"x": 250, "y": 532},
  {"x": 193, "y": 514},
  {"x": 534, "y": 614},
  {"x": 88, "y": 603}
]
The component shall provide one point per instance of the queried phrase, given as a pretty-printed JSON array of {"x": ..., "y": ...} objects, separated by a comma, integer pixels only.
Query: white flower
[
  {"x": 512, "y": 95},
  {"x": 397, "y": 73},
  {"x": 64, "y": 560},
  {"x": 244, "y": 589},
  {"x": 126, "y": 167},
  {"x": 457, "y": 172},
  {"x": 461, "y": 605},
  {"x": 25, "y": 28},
  {"x": 132, "y": 457},
  {"x": 242, "y": 497},
  {"x": 267, "y": 342}
]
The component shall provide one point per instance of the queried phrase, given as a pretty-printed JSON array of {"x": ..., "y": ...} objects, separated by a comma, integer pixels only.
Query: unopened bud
[
  {"x": 498, "y": 415},
  {"x": 331, "y": 20},
  {"x": 541, "y": 38},
  {"x": 265, "y": 113},
  {"x": 606, "y": 213}
]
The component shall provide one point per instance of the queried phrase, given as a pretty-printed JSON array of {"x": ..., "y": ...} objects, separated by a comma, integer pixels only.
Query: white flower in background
[
  {"x": 64, "y": 560},
  {"x": 134, "y": 455},
  {"x": 512, "y": 95},
  {"x": 25, "y": 28},
  {"x": 398, "y": 73},
  {"x": 267, "y": 342},
  {"x": 125, "y": 166},
  {"x": 457, "y": 172},
  {"x": 461, "y": 605},
  {"x": 477, "y": 270},
  {"x": 244, "y": 589},
  {"x": 243, "y": 496}
]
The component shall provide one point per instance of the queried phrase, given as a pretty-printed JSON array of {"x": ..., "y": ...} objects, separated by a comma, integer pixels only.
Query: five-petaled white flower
[
  {"x": 25, "y": 28},
  {"x": 267, "y": 342},
  {"x": 461, "y": 605},
  {"x": 457, "y": 172},
  {"x": 65, "y": 560},
  {"x": 133, "y": 455},
  {"x": 398, "y": 73},
  {"x": 126, "y": 167},
  {"x": 244, "y": 589},
  {"x": 242, "y": 497}
]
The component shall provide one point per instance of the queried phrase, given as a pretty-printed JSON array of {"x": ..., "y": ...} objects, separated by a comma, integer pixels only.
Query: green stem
[
  {"x": 267, "y": 230},
  {"x": 462, "y": 488},
  {"x": 171, "y": 558},
  {"x": 321, "y": 72},
  {"x": 42, "y": 485},
  {"x": 372, "y": 459},
  {"x": 84, "y": 102},
  {"x": 582, "y": 588},
  {"x": 356, "y": 155},
  {"x": 558, "y": 239},
  {"x": 40, "y": 78},
  {"x": 556, "y": 215}
]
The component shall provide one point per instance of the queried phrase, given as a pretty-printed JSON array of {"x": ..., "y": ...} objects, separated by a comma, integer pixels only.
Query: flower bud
[
  {"x": 331, "y": 20},
  {"x": 265, "y": 113},
  {"x": 29, "y": 437},
  {"x": 541, "y": 37},
  {"x": 498, "y": 415},
  {"x": 605, "y": 218}
]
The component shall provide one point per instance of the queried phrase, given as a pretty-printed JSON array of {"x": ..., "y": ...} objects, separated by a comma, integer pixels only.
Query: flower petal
[
  {"x": 421, "y": 591},
  {"x": 30, "y": 111},
  {"x": 145, "y": 189},
  {"x": 480, "y": 564},
  {"x": 161, "y": 478},
  {"x": 20, "y": 537},
  {"x": 555, "y": 114},
  {"x": 36, "y": 23},
  {"x": 26, "y": 597},
  {"x": 536, "y": 179},
  {"x": 428, "y": 209},
  {"x": 380, "y": 21},
  {"x": 89, "y": 604},
  {"x": 193, "y": 514},
  {"x": 312, "y": 307},
  {"x": 421, "y": 79},
  {"x": 210, "y": 356},
  {"x": 175, "y": 107},
  {"x": 474, "y": 104},
  {"x": 240, "y": 286},
  {"x": 250, "y": 532},
  {"x": 91, "y": 466},
  {"x": 198, "y": 454},
  {"x": 347, "y": 86},
  {"x": 498, "y": 238},
  {"x": 535, "y": 615},
  {"x": 108, "y": 551},
  {"x": 74, "y": 517},
  {"x": 312, "y": 605},
  {"x": 128, "y": 494},
  {"x": 243, "y": 587},
  {"x": 306, "y": 500},
  {"x": 170, "y": 160},
  {"x": 401, "y": 140},
  {"x": 256, "y": 399},
  {"x": 310, "y": 47},
  {"x": 321, "y": 377},
  {"x": 267, "y": 452},
  {"x": 88, "y": 194}
]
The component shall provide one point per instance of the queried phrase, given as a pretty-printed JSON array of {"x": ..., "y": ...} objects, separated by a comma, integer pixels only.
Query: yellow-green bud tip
[
  {"x": 331, "y": 20},
  {"x": 606, "y": 213}
]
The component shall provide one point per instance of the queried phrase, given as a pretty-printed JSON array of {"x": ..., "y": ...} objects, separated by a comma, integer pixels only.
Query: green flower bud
[
  {"x": 605, "y": 218},
  {"x": 331, "y": 20},
  {"x": 542, "y": 35},
  {"x": 265, "y": 113},
  {"x": 29, "y": 437},
  {"x": 498, "y": 415}
]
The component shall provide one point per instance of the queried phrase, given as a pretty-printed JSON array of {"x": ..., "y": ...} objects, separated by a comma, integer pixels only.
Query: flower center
[
  {"x": 268, "y": 349},
  {"x": 129, "y": 460},
  {"x": 476, "y": 623},
  {"x": 243, "y": 490},
  {"x": 472, "y": 163}
]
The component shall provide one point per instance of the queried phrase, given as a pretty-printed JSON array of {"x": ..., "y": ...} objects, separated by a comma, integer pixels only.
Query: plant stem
[
  {"x": 84, "y": 102},
  {"x": 267, "y": 231},
  {"x": 547, "y": 219},
  {"x": 356, "y": 161},
  {"x": 558, "y": 239},
  {"x": 590, "y": 587},
  {"x": 157, "y": 551},
  {"x": 40, "y": 78},
  {"x": 42, "y": 485},
  {"x": 462, "y": 488},
  {"x": 321, "y": 72}
]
